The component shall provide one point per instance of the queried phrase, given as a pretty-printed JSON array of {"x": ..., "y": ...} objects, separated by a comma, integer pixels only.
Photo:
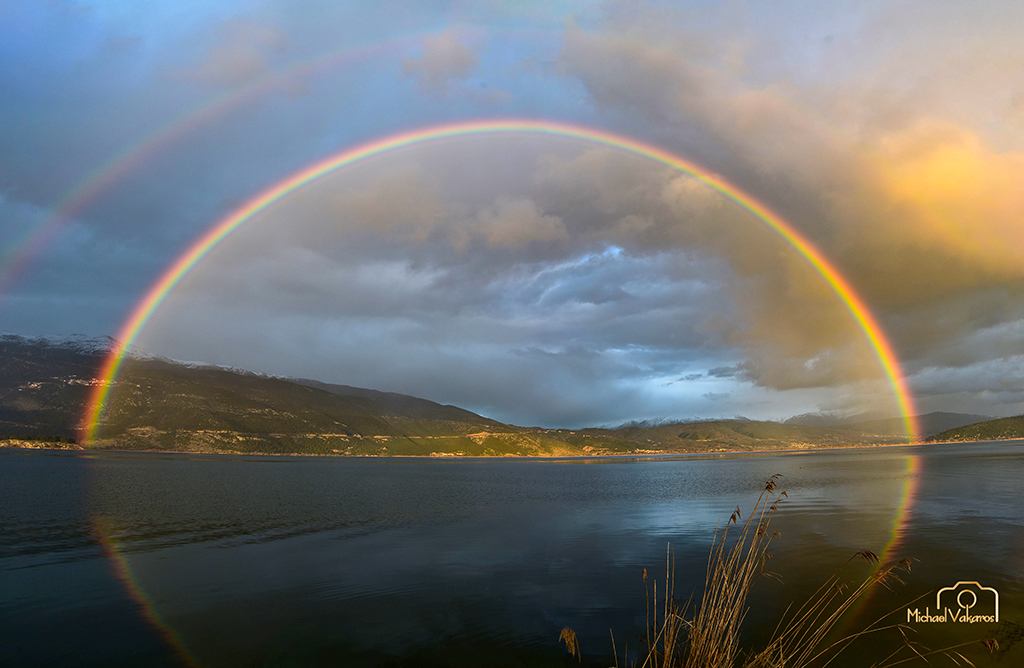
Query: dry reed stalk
[
  {"x": 568, "y": 636},
  {"x": 711, "y": 638},
  {"x": 797, "y": 639},
  {"x": 662, "y": 649}
]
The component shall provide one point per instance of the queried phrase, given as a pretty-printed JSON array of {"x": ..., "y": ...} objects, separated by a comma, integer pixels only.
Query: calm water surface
[{"x": 241, "y": 561}]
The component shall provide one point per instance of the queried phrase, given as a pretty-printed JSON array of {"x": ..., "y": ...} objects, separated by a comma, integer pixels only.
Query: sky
[{"x": 539, "y": 280}]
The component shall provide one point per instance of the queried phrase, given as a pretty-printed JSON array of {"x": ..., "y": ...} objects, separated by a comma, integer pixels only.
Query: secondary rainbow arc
[
  {"x": 15, "y": 256},
  {"x": 854, "y": 304}
]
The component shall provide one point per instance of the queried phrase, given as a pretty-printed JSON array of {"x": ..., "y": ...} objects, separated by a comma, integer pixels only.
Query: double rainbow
[{"x": 220, "y": 231}]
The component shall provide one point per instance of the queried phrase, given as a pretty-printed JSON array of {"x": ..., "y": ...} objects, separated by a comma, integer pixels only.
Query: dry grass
[
  {"x": 568, "y": 636},
  {"x": 710, "y": 638}
]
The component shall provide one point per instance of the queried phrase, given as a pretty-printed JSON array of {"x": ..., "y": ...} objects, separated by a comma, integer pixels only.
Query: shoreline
[{"x": 76, "y": 449}]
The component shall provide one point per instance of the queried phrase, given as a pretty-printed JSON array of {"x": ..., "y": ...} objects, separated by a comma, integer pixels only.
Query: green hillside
[
  {"x": 174, "y": 407},
  {"x": 991, "y": 430},
  {"x": 163, "y": 405}
]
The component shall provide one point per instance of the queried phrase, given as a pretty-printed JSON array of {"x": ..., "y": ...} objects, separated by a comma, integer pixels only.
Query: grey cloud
[
  {"x": 620, "y": 70},
  {"x": 240, "y": 50},
  {"x": 552, "y": 245},
  {"x": 900, "y": 160},
  {"x": 403, "y": 204},
  {"x": 366, "y": 275},
  {"x": 444, "y": 59},
  {"x": 992, "y": 386},
  {"x": 780, "y": 311},
  {"x": 863, "y": 187},
  {"x": 513, "y": 223}
]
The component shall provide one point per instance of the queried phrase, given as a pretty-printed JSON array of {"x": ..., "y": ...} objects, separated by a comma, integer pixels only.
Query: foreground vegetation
[{"x": 803, "y": 638}]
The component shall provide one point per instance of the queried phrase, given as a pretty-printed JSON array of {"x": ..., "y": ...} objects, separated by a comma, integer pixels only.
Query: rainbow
[
  {"x": 124, "y": 573},
  {"x": 15, "y": 257},
  {"x": 912, "y": 476},
  {"x": 215, "y": 235},
  {"x": 890, "y": 555}
]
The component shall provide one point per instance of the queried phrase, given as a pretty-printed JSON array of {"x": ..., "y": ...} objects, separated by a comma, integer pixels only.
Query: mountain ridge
[{"x": 161, "y": 404}]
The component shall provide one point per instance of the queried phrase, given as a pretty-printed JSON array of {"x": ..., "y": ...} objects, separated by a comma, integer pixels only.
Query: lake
[{"x": 166, "y": 560}]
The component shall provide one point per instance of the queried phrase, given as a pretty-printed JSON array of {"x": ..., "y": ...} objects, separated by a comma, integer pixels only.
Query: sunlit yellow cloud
[{"x": 957, "y": 193}]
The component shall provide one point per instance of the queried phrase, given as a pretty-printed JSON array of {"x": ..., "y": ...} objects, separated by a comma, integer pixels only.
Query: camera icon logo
[{"x": 968, "y": 601}]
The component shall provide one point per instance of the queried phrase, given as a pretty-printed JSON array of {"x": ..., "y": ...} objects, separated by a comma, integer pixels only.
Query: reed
[{"x": 710, "y": 638}]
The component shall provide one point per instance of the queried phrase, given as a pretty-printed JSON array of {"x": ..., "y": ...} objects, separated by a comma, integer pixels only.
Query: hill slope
[
  {"x": 45, "y": 383},
  {"x": 401, "y": 404},
  {"x": 991, "y": 430},
  {"x": 160, "y": 404},
  {"x": 931, "y": 423}
]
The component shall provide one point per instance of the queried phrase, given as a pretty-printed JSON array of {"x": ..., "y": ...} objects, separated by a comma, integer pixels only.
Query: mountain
[
  {"x": 930, "y": 423},
  {"x": 402, "y": 404},
  {"x": 160, "y": 404},
  {"x": 44, "y": 382},
  {"x": 990, "y": 430}
]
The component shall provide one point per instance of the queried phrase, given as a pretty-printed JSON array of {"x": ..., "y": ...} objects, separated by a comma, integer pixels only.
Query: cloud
[
  {"x": 991, "y": 386},
  {"x": 780, "y": 311},
  {"x": 394, "y": 273},
  {"x": 892, "y": 138},
  {"x": 917, "y": 209},
  {"x": 955, "y": 203},
  {"x": 402, "y": 204},
  {"x": 445, "y": 59},
  {"x": 515, "y": 223},
  {"x": 241, "y": 50}
]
